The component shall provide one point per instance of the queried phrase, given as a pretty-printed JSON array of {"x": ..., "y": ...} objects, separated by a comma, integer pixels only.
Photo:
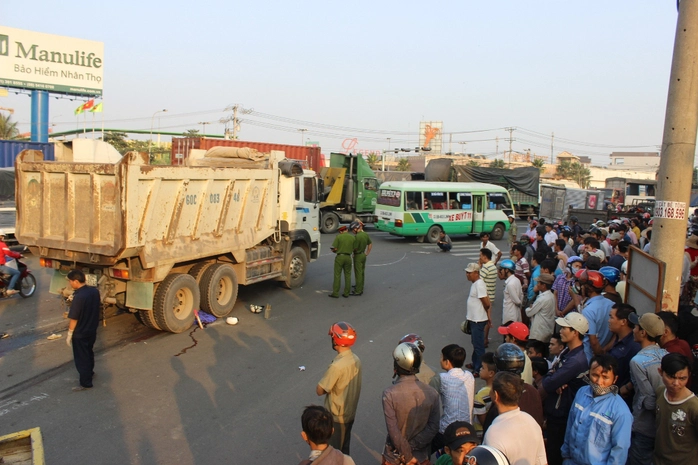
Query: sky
[{"x": 595, "y": 73}]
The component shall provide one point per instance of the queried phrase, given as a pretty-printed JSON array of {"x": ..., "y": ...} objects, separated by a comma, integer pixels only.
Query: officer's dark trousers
[{"x": 84, "y": 358}]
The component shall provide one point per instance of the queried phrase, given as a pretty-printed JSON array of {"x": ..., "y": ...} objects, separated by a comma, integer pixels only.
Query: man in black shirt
[{"x": 82, "y": 330}]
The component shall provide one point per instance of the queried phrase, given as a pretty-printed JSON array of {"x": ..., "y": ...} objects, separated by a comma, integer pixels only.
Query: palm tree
[
  {"x": 8, "y": 128},
  {"x": 403, "y": 165},
  {"x": 580, "y": 174},
  {"x": 539, "y": 163},
  {"x": 372, "y": 160}
]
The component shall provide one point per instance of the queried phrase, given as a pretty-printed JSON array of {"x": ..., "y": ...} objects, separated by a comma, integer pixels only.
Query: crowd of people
[{"x": 581, "y": 377}]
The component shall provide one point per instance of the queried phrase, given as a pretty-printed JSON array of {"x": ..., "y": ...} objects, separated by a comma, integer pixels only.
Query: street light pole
[
  {"x": 150, "y": 144},
  {"x": 302, "y": 131}
]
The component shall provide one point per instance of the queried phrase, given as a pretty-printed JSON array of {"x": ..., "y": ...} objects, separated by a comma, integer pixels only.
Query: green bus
[{"x": 424, "y": 209}]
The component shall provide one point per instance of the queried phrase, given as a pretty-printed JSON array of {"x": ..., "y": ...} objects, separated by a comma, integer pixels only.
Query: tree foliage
[
  {"x": 498, "y": 163},
  {"x": 8, "y": 128},
  {"x": 191, "y": 133},
  {"x": 574, "y": 171},
  {"x": 539, "y": 163},
  {"x": 472, "y": 163},
  {"x": 403, "y": 164},
  {"x": 373, "y": 160},
  {"x": 159, "y": 155}
]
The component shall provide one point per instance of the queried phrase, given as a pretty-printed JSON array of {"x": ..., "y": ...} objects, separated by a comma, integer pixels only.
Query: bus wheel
[
  {"x": 433, "y": 234},
  {"x": 498, "y": 232},
  {"x": 329, "y": 223}
]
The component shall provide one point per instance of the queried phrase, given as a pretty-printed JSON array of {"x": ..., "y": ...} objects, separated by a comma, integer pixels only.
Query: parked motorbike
[{"x": 26, "y": 284}]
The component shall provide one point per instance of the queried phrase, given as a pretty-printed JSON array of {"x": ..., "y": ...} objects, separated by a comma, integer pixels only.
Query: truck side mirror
[{"x": 321, "y": 190}]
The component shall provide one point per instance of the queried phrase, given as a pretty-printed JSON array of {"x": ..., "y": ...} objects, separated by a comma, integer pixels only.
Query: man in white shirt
[
  {"x": 514, "y": 432},
  {"x": 478, "y": 315},
  {"x": 550, "y": 235},
  {"x": 513, "y": 292},
  {"x": 486, "y": 244},
  {"x": 542, "y": 312}
]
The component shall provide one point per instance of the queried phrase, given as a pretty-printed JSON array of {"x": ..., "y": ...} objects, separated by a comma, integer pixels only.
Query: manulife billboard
[{"x": 63, "y": 65}]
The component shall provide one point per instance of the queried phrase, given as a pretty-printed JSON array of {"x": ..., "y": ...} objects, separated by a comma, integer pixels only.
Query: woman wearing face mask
[{"x": 598, "y": 428}]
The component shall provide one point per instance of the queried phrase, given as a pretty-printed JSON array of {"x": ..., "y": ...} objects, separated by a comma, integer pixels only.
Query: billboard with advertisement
[
  {"x": 63, "y": 65},
  {"x": 430, "y": 135}
]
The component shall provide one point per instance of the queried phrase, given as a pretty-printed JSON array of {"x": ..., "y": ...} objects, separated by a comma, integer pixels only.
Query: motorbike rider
[{"x": 14, "y": 273}]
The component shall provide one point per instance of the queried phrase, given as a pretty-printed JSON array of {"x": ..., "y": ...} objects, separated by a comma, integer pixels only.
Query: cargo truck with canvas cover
[
  {"x": 163, "y": 241},
  {"x": 424, "y": 209}
]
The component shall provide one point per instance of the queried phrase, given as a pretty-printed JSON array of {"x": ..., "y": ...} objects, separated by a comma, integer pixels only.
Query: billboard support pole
[{"x": 39, "y": 119}]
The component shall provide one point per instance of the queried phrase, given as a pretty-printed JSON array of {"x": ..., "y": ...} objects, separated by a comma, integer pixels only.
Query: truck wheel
[
  {"x": 298, "y": 265},
  {"x": 219, "y": 290},
  {"x": 145, "y": 317},
  {"x": 498, "y": 232},
  {"x": 175, "y": 300},
  {"x": 433, "y": 234},
  {"x": 329, "y": 223},
  {"x": 197, "y": 271}
]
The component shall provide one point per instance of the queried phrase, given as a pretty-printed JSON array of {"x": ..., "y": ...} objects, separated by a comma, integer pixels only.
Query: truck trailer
[{"x": 164, "y": 241}]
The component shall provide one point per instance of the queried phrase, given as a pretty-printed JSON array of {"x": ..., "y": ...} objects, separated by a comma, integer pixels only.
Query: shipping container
[
  {"x": 9, "y": 149},
  {"x": 310, "y": 157}
]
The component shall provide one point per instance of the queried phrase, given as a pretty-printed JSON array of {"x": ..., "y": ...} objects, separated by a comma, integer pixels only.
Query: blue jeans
[
  {"x": 11, "y": 271},
  {"x": 445, "y": 247},
  {"x": 477, "y": 337},
  {"x": 641, "y": 449}
]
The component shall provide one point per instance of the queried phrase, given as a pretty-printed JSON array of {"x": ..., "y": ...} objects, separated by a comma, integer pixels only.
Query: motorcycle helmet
[
  {"x": 486, "y": 455},
  {"x": 343, "y": 334},
  {"x": 624, "y": 267},
  {"x": 507, "y": 264},
  {"x": 414, "y": 339},
  {"x": 509, "y": 357},
  {"x": 355, "y": 225},
  {"x": 611, "y": 274},
  {"x": 2, "y": 233},
  {"x": 407, "y": 358},
  {"x": 571, "y": 260},
  {"x": 592, "y": 278},
  {"x": 601, "y": 224},
  {"x": 574, "y": 219},
  {"x": 525, "y": 240}
]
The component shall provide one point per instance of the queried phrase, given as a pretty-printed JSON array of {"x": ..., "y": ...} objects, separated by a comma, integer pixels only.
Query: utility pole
[
  {"x": 678, "y": 152},
  {"x": 496, "y": 147},
  {"x": 235, "y": 122},
  {"x": 552, "y": 145},
  {"x": 450, "y": 143},
  {"x": 511, "y": 134},
  {"x": 302, "y": 131}
]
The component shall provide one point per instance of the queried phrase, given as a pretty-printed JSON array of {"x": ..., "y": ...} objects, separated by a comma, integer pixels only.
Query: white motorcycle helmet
[
  {"x": 407, "y": 358},
  {"x": 486, "y": 455}
]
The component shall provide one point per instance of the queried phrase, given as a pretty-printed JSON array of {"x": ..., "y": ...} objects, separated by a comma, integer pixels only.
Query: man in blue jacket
[
  {"x": 598, "y": 429},
  {"x": 560, "y": 385}
]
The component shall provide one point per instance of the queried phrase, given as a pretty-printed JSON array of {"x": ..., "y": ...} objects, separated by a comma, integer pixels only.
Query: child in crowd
[
  {"x": 540, "y": 368},
  {"x": 460, "y": 440},
  {"x": 483, "y": 402},
  {"x": 317, "y": 430}
]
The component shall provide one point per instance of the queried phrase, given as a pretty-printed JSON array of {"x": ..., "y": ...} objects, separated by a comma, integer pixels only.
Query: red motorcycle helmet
[
  {"x": 343, "y": 334},
  {"x": 414, "y": 339},
  {"x": 592, "y": 278}
]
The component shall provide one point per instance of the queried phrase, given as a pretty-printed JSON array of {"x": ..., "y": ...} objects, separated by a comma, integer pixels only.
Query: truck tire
[
  {"x": 219, "y": 290},
  {"x": 329, "y": 223},
  {"x": 433, "y": 234},
  {"x": 176, "y": 298},
  {"x": 498, "y": 232},
  {"x": 197, "y": 272},
  {"x": 297, "y": 267},
  {"x": 145, "y": 317}
]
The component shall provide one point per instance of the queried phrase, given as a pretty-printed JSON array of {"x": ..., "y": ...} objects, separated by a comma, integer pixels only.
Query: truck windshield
[{"x": 389, "y": 197}]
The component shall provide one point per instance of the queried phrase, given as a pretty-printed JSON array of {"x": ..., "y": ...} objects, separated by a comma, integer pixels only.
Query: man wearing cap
[
  {"x": 562, "y": 382},
  {"x": 460, "y": 438},
  {"x": 542, "y": 312},
  {"x": 343, "y": 246},
  {"x": 362, "y": 248},
  {"x": 596, "y": 310},
  {"x": 512, "y": 230},
  {"x": 645, "y": 380},
  {"x": 477, "y": 313}
]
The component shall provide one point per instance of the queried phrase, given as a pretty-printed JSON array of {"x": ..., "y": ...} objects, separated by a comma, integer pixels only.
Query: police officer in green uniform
[
  {"x": 343, "y": 246},
  {"x": 362, "y": 247}
]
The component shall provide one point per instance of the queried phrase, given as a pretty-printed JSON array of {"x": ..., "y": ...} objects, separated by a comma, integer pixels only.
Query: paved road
[{"x": 236, "y": 394}]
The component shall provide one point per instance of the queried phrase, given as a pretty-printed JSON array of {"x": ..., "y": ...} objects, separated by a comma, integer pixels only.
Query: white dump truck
[{"x": 163, "y": 241}]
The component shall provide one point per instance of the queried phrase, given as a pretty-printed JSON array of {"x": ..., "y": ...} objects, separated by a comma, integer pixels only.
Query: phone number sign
[{"x": 670, "y": 210}]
